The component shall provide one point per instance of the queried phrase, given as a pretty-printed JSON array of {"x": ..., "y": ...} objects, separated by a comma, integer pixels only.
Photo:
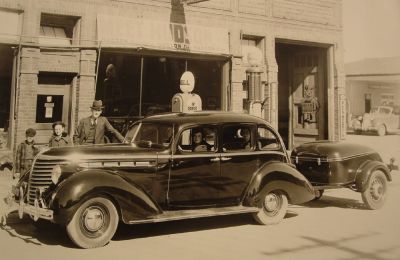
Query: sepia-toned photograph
[{"x": 200, "y": 129}]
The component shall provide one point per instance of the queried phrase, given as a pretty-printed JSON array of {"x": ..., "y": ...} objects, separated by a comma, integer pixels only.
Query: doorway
[
  {"x": 6, "y": 72},
  {"x": 302, "y": 93},
  {"x": 53, "y": 102}
]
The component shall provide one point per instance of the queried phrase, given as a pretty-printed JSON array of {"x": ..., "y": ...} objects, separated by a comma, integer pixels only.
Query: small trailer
[{"x": 332, "y": 164}]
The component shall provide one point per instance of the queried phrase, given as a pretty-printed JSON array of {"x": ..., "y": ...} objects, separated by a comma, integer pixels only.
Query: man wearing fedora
[{"x": 91, "y": 129}]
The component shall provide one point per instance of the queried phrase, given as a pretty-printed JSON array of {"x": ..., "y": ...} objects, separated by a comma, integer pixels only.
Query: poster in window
[{"x": 49, "y": 108}]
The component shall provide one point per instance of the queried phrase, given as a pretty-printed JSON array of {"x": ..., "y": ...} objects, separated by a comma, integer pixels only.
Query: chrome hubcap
[
  {"x": 271, "y": 202},
  {"x": 93, "y": 219}
]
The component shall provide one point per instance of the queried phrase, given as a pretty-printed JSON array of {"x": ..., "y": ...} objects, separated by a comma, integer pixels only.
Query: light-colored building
[
  {"x": 372, "y": 82},
  {"x": 55, "y": 55}
]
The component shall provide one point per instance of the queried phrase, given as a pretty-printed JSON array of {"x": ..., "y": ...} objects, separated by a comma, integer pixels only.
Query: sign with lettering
[{"x": 161, "y": 35}]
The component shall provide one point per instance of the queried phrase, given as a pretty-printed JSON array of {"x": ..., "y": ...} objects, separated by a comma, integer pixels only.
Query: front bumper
[
  {"x": 362, "y": 127},
  {"x": 36, "y": 211}
]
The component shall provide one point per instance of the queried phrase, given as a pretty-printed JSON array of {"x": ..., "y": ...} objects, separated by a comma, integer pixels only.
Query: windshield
[
  {"x": 384, "y": 110},
  {"x": 381, "y": 110},
  {"x": 152, "y": 133}
]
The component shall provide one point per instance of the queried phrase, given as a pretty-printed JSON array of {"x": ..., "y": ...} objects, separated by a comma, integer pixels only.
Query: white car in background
[{"x": 381, "y": 120}]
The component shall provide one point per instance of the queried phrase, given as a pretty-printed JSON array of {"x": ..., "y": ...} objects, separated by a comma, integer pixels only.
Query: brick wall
[{"x": 307, "y": 21}]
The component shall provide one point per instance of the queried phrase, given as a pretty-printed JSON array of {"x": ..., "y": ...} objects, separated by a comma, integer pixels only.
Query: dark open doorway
[
  {"x": 6, "y": 70},
  {"x": 302, "y": 93}
]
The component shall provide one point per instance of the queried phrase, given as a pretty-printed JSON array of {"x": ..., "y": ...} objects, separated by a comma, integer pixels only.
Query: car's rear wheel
[
  {"x": 374, "y": 195},
  {"x": 94, "y": 223},
  {"x": 273, "y": 206},
  {"x": 381, "y": 130}
]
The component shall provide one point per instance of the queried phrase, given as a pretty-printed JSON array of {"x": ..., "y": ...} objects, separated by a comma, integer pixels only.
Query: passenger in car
[
  {"x": 245, "y": 132},
  {"x": 199, "y": 143}
]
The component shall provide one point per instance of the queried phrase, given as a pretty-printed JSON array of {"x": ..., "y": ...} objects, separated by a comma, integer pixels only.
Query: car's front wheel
[
  {"x": 374, "y": 195},
  {"x": 273, "y": 206},
  {"x": 381, "y": 130},
  {"x": 94, "y": 223}
]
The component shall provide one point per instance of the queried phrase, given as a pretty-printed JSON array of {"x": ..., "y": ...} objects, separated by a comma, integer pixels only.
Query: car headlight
[
  {"x": 55, "y": 174},
  {"x": 360, "y": 118}
]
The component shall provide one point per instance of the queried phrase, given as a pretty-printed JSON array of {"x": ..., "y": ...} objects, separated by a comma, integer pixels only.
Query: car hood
[{"x": 101, "y": 152}]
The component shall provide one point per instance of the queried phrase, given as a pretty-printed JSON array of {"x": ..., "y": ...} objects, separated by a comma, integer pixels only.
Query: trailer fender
[{"x": 364, "y": 173}]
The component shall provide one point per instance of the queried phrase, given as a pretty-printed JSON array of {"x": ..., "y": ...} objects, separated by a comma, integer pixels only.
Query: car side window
[
  {"x": 266, "y": 139},
  {"x": 237, "y": 138},
  {"x": 197, "y": 140}
]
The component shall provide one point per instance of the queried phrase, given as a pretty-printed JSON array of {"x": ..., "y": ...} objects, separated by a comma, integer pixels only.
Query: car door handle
[
  {"x": 225, "y": 158},
  {"x": 216, "y": 159}
]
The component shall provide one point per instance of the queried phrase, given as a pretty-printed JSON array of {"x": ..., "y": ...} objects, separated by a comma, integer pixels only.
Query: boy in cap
[
  {"x": 59, "y": 137},
  {"x": 26, "y": 152},
  {"x": 91, "y": 129}
]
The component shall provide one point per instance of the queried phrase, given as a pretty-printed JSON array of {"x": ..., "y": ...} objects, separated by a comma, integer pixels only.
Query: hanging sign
[
  {"x": 161, "y": 35},
  {"x": 49, "y": 106}
]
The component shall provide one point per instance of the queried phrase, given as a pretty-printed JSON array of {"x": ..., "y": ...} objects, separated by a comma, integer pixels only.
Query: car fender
[
  {"x": 366, "y": 169},
  {"x": 279, "y": 176},
  {"x": 131, "y": 200}
]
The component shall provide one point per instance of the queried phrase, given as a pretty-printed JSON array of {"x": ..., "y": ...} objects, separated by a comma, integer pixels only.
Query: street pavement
[{"x": 336, "y": 227}]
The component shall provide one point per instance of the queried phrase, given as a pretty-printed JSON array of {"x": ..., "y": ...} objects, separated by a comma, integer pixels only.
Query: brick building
[{"x": 57, "y": 56}]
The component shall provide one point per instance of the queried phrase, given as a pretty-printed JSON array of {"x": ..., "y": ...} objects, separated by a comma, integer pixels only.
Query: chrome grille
[{"x": 41, "y": 176}]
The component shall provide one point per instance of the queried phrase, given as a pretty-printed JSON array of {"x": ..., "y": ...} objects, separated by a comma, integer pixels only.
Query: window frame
[
  {"x": 178, "y": 148},
  {"x": 239, "y": 126},
  {"x": 274, "y": 133}
]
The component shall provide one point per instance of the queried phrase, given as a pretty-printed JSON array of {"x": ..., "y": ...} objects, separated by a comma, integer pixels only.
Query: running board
[{"x": 196, "y": 213}]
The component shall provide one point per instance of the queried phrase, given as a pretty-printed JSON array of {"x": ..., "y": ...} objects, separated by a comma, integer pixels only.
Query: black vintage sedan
[{"x": 171, "y": 166}]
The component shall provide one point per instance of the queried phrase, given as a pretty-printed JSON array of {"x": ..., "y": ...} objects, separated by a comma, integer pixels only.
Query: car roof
[{"x": 205, "y": 117}]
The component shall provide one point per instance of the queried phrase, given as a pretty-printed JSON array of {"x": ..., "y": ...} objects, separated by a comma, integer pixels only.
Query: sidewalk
[{"x": 6, "y": 182}]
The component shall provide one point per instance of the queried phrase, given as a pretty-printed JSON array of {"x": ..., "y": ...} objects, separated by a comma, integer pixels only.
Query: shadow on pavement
[
  {"x": 25, "y": 229},
  {"x": 52, "y": 234},
  {"x": 328, "y": 201},
  {"x": 126, "y": 232},
  {"x": 340, "y": 244},
  {"x": 182, "y": 226}
]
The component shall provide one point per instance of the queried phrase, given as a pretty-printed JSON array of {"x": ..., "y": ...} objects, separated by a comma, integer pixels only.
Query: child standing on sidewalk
[{"x": 26, "y": 152}]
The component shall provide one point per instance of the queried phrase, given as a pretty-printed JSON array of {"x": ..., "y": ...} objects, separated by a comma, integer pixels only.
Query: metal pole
[
  {"x": 97, "y": 69},
  {"x": 141, "y": 86}
]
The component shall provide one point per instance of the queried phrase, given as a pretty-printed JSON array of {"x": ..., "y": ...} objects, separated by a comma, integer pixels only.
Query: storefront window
[{"x": 135, "y": 86}]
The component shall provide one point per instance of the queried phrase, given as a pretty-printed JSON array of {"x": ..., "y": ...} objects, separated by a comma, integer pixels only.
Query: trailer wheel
[
  {"x": 94, "y": 223},
  {"x": 374, "y": 195},
  {"x": 273, "y": 206}
]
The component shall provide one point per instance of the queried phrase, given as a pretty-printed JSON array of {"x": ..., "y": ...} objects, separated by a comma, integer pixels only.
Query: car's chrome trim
[
  {"x": 224, "y": 154},
  {"x": 335, "y": 159},
  {"x": 196, "y": 213}
]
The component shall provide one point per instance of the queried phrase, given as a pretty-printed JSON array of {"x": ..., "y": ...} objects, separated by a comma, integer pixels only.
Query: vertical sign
[{"x": 49, "y": 105}]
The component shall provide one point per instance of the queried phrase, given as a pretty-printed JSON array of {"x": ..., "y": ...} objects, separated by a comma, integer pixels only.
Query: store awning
[{"x": 126, "y": 32}]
